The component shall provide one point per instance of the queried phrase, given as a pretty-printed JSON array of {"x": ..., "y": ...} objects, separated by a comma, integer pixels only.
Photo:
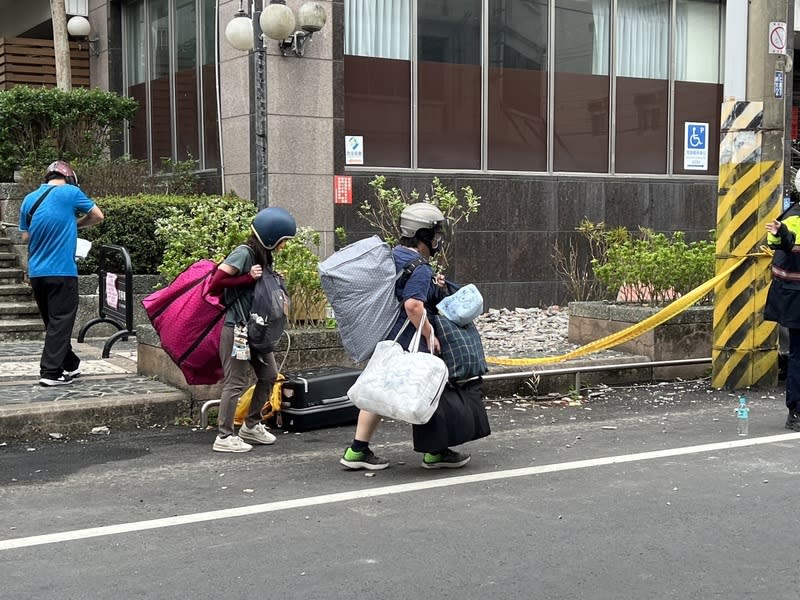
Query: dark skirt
[{"x": 460, "y": 417}]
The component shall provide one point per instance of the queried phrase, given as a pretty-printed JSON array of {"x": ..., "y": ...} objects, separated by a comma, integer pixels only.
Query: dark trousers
[
  {"x": 793, "y": 372},
  {"x": 57, "y": 299}
]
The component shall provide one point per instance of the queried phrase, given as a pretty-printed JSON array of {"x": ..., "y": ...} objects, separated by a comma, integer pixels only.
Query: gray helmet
[{"x": 420, "y": 215}]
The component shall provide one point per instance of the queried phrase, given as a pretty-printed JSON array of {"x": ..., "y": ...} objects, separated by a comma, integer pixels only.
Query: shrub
[
  {"x": 574, "y": 263},
  {"x": 131, "y": 223},
  {"x": 213, "y": 226},
  {"x": 384, "y": 212},
  {"x": 210, "y": 228},
  {"x": 654, "y": 268},
  {"x": 39, "y": 125},
  {"x": 297, "y": 262},
  {"x": 125, "y": 176}
]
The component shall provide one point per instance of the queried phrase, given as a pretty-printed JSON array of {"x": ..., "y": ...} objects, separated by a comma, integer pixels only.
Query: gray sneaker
[
  {"x": 232, "y": 443},
  {"x": 362, "y": 460},
  {"x": 256, "y": 435}
]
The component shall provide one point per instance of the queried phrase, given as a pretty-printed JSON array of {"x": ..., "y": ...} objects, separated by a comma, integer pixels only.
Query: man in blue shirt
[{"x": 49, "y": 222}]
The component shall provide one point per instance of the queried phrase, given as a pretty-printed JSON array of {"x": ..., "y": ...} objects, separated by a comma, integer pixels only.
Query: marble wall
[{"x": 507, "y": 248}]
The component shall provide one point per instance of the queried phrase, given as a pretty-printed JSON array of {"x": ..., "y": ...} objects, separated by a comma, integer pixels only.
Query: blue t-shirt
[
  {"x": 53, "y": 229},
  {"x": 419, "y": 286}
]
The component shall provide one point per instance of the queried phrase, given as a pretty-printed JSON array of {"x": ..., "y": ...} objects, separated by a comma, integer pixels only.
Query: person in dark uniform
[{"x": 783, "y": 300}]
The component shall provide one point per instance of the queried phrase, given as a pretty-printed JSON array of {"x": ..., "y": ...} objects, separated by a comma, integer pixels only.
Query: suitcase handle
[{"x": 333, "y": 400}]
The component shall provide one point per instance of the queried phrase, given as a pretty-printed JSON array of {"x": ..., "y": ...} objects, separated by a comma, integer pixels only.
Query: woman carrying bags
[
  {"x": 235, "y": 279},
  {"x": 421, "y": 230}
]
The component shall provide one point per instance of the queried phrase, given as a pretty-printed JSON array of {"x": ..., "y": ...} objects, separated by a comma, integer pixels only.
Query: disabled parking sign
[{"x": 695, "y": 146}]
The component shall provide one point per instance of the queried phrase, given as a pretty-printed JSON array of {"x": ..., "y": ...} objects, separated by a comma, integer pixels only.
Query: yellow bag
[{"x": 271, "y": 408}]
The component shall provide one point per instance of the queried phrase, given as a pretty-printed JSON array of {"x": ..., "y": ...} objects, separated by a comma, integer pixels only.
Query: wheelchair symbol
[{"x": 697, "y": 138}]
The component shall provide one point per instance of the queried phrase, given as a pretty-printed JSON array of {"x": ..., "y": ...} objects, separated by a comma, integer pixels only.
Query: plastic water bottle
[
  {"x": 330, "y": 317},
  {"x": 742, "y": 417}
]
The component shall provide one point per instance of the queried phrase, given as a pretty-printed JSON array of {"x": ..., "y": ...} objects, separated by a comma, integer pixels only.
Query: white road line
[{"x": 215, "y": 515}]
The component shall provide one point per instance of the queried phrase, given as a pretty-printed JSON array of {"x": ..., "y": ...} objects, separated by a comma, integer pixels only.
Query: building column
[{"x": 751, "y": 184}]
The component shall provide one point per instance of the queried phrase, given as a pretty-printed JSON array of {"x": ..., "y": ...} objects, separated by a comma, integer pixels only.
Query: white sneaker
[
  {"x": 232, "y": 443},
  {"x": 257, "y": 434}
]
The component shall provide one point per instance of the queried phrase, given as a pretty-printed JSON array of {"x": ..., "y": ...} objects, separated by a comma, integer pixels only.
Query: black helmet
[
  {"x": 420, "y": 215},
  {"x": 61, "y": 170},
  {"x": 273, "y": 225}
]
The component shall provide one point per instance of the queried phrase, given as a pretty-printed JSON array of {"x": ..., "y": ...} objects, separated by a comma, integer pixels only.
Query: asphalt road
[{"x": 643, "y": 492}]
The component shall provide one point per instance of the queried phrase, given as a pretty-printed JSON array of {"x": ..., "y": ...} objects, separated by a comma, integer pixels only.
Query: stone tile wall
[{"x": 507, "y": 247}]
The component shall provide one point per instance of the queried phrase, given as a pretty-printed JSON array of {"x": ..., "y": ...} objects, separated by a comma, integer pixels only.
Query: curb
[{"x": 78, "y": 417}]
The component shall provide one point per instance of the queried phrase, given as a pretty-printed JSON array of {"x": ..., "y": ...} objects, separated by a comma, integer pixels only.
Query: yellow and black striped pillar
[{"x": 744, "y": 351}]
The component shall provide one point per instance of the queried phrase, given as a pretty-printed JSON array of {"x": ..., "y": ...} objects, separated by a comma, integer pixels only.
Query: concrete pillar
[
  {"x": 300, "y": 123},
  {"x": 751, "y": 183}
]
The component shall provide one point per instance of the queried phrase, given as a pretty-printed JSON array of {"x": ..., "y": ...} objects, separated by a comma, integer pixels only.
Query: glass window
[
  {"x": 449, "y": 84},
  {"x": 161, "y": 106},
  {"x": 377, "y": 79},
  {"x": 186, "y": 100},
  {"x": 699, "y": 68},
  {"x": 163, "y": 56},
  {"x": 581, "y": 86},
  {"x": 136, "y": 36},
  {"x": 642, "y": 79},
  {"x": 517, "y": 119},
  {"x": 378, "y": 28},
  {"x": 209, "y": 78}
]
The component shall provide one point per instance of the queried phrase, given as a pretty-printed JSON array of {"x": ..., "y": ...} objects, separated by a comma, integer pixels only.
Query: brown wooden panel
[{"x": 32, "y": 62}]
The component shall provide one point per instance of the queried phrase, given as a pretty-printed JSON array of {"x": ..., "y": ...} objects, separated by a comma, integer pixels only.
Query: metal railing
[{"x": 578, "y": 370}]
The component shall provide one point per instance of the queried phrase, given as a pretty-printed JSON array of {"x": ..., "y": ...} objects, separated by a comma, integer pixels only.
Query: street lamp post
[{"x": 276, "y": 21}]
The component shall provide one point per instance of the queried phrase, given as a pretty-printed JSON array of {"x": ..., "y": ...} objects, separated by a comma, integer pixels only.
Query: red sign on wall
[{"x": 342, "y": 189}]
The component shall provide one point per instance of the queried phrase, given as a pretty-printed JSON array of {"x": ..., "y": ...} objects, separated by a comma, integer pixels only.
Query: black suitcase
[{"x": 316, "y": 398}]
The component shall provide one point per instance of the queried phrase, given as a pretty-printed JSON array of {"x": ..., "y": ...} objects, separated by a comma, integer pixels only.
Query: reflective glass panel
[
  {"x": 377, "y": 79},
  {"x": 449, "y": 84},
  {"x": 581, "y": 86},
  {"x": 642, "y": 96},
  {"x": 517, "y": 119}
]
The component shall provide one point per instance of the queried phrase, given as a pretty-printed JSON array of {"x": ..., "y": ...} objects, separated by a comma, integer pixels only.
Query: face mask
[{"x": 436, "y": 245}]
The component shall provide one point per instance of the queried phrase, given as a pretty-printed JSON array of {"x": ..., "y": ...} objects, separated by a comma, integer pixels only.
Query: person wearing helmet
[
  {"x": 235, "y": 279},
  {"x": 421, "y": 231},
  {"x": 49, "y": 219}
]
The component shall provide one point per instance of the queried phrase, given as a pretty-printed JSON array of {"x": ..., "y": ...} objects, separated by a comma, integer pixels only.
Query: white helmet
[{"x": 420, "y": 215}]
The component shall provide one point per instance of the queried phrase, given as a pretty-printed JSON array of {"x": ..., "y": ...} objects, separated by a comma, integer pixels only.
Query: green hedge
[
  {"x": 131, "y": 223},
  {"x": 39, "y": 125}
]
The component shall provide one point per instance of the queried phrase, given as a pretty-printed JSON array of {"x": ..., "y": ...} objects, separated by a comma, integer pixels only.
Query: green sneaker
[
  {"x": 446, "y": 460},
  {"x": 363, "y": 460}
]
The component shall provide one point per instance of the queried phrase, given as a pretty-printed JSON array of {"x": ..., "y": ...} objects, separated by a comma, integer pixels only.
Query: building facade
[{"x": 551, "y": 110}]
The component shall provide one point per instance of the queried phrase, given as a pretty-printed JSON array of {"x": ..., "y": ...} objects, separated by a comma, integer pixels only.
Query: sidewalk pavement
[{"x": 108, "y": 392}]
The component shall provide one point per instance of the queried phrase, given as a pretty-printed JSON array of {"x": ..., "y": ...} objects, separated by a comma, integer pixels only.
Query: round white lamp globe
[
  {"x": 277, "y": 21},
  {"x": 78, "y": 26},
  {"x": 239, "y": 32}
]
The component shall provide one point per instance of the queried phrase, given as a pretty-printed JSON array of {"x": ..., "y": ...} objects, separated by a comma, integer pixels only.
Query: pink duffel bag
[{"x": 189, "y": 321}]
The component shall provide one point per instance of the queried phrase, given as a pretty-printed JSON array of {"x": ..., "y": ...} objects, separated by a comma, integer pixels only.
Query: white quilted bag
[
  {"x": 462, "y": 307},
  {"x": 401, "y": 384}
]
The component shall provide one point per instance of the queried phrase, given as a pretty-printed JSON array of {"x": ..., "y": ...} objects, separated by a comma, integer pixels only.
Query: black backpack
[{"x": 267, "y": 318}]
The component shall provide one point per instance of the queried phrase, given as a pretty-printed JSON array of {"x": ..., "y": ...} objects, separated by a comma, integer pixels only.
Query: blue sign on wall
[{"x": 695, "y": 146}]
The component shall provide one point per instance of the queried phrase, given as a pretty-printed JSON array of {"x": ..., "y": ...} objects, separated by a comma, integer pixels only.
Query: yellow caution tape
[{"x": 637, "y": 329}]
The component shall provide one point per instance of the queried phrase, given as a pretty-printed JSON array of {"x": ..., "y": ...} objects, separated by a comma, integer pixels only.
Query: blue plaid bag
[{"x": 462, "y": 348}]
